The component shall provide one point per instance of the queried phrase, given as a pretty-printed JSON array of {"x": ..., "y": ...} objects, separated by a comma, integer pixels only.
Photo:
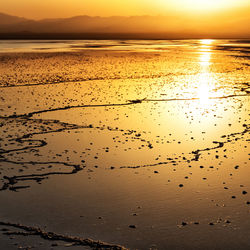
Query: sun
[
  {"x": 206, "y": 4},
  {"x": 201, "y": 5}
]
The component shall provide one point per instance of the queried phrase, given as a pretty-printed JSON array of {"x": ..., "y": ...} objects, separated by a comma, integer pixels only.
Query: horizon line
[{"x": 110, "y": 36}]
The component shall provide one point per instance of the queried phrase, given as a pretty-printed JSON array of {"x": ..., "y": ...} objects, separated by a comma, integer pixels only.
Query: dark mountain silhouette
[
  {"x": 10, "y": 20},
  {"x": 226, "y": 25}
]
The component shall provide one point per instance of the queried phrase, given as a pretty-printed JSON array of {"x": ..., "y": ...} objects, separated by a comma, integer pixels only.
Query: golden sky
[{"x": 38, "y": 9}]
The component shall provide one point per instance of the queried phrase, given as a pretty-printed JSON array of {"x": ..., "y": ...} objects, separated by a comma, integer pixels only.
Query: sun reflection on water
[
  {"x": 204, "y": 92},
  {"x": 206, "y": 41},
  {"x": 205, "y": 81},
  {"x": 205, "y": 58}
]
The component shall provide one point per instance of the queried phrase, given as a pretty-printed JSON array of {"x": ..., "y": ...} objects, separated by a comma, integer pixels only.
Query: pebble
[{"x": 132, "y": 226}]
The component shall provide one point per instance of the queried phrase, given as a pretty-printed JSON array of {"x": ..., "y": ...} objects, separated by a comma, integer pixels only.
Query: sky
[{"x": 39, "y": 9}]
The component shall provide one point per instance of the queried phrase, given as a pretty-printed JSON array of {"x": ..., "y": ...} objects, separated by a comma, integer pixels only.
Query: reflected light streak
[
  {"x": 206, "y": 41},
  {"x": 205, "y": 58},
  {"x": 203, "y": 93},
  {"x": 205, "y": 45},
  {"x": 205, "y": 52},
  {"x": 204, "y": 87}
]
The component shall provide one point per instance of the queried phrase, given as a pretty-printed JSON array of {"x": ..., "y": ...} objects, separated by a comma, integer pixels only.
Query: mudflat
[{"x": 125, "y": 144}]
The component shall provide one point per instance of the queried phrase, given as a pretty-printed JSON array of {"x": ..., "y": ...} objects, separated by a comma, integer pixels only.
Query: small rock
[{"x": 132, "y": 226}]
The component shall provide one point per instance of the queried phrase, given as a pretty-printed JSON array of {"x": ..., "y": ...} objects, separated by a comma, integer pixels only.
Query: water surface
[{"x": 141, "y": 144}]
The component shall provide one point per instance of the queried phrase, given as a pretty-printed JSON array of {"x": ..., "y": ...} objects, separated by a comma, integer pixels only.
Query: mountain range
[{"x": 228, "y": 25}]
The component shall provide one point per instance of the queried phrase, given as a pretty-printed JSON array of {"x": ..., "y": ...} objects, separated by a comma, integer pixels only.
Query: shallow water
[{"x": 141, "y": 144}]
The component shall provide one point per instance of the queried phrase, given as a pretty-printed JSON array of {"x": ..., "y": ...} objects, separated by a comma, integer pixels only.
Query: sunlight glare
[
  {"x": 203, "y": 93},
  {"x": 205, "y": 58},
  {"x": 207, "y": 5},
  {"x": 206, "y": 41},
  {"x": 205, "y": 84}
]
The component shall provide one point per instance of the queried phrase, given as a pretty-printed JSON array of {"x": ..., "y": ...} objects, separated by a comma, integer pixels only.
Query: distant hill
[
  {"x": 169, "y": 26},
  {"x": 10, "y": 20}
]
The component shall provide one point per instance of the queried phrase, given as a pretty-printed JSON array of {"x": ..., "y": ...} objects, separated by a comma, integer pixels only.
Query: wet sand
[{"x": 142, "y": 146}]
